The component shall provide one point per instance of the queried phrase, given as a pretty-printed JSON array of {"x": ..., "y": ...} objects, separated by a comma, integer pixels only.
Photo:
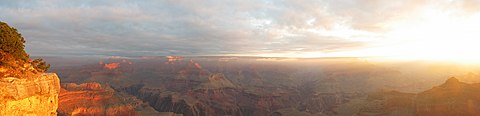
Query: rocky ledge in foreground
[{"x": 29, "y": 96}]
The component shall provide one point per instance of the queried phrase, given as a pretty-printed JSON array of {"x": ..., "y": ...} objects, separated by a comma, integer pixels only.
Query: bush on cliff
[
  {"x": 12, "y": 42},
  {"x": 13, "y": 58},
  {"x": 40, "y": 65}
]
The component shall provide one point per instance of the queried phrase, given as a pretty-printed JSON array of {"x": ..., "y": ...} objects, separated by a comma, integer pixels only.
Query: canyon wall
[
  {"x": 29, "y": 96},
  {"x": 99, "y": 100},
  {"x": 453, "y": 98},
  {"x": 93, "y": 99}
]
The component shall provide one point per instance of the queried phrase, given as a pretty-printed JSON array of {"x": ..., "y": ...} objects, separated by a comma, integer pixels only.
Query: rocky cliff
[
  {"x": 92, "y": 99},
  {"x": 450, "y": 99},
  {"x": 453, "y": 98},
  {"x": 29, "y": 96},
  {"x": 99, "y": 100}
]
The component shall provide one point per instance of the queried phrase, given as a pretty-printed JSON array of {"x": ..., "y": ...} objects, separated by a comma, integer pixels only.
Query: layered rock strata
[{"x": 29, "y": 96}]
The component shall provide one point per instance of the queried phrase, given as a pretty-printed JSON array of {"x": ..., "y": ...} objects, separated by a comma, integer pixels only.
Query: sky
[{"x": 270, "y": 28}]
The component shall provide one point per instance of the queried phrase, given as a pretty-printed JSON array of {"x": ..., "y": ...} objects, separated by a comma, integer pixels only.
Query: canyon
[
  {"x": 188, "y": 88},
  {"x": 228, "y": 86},
  {"x": 204, "y": 86}
]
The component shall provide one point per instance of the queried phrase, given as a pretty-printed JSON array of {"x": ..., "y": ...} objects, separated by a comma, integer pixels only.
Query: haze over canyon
[{"x": 240, "y": 58}]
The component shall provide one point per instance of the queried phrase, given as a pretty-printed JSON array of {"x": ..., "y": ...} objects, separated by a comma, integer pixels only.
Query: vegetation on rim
[{"x": 14, "y": 60}]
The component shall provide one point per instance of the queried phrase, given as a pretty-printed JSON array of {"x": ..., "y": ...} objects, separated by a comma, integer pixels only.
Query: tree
[
  {"x": 12, "y": 46},
  {"x": 40, "y": 65},
  {"x": 12, "y": 42}
]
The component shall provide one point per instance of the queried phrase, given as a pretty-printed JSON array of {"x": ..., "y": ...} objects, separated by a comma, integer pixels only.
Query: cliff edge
[{"x": 29, "y": 96}]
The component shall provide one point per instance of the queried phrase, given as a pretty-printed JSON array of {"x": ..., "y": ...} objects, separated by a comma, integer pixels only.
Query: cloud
[{"x": 183, "y": 27}]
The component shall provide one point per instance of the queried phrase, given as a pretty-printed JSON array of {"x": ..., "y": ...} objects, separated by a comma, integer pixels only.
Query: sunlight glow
[
  {"x": 437, "y": 35},
  {"x": 432, "y": 34}
]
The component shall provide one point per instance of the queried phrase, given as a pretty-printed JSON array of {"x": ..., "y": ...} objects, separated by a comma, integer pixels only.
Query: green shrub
[
  {"x": 12, "y": 53},
  {"x": 12, "y": 42},
  {"x": 40, "y": 65}
]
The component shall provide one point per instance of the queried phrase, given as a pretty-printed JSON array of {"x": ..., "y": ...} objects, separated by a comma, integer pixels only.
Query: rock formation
[
  {"x": 453, "y": 98},
  {"x": 93, "y": 99},
  {"x": 24, "y": 87},
  {"x": 29, "y": 96}
]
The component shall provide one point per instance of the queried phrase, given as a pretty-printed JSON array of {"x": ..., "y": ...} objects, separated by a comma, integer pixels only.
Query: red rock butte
[{"x": 111, "y": 66}]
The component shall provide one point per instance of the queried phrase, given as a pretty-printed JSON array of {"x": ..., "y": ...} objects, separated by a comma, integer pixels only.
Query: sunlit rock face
[
  {"x": 29, "y": 96},
  {"x": 173, "y": 59},
  {"x": 115, "y": 64},
  {"x": 93, "y": 99},
  {"x": 111, "y": 66}
]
